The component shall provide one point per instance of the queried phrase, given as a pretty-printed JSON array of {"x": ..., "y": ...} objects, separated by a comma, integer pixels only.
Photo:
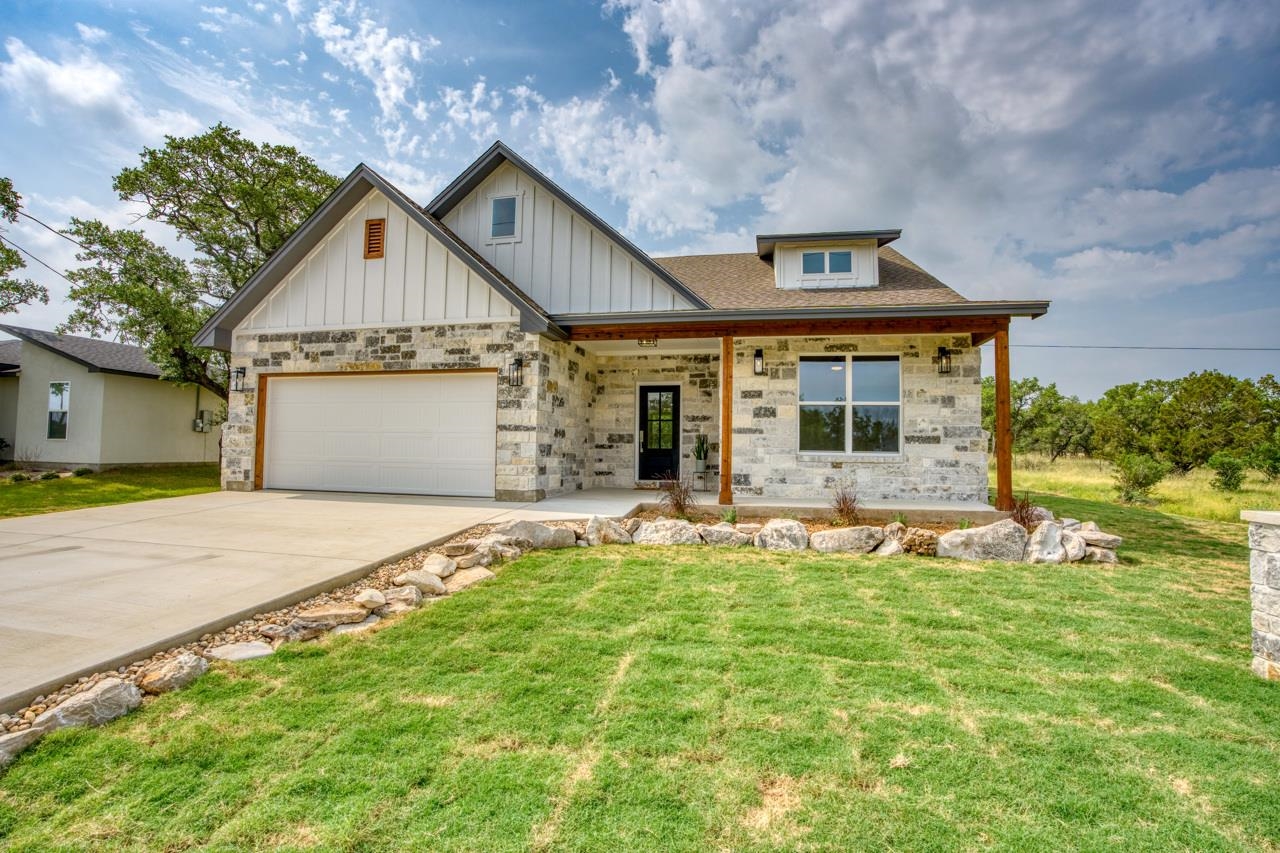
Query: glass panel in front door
[{"x": 659, "y": 433}]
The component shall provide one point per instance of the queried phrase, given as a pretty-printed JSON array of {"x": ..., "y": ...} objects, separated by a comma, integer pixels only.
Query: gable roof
[
  {"x": 743, "y": 280},
  {"x": 216, "y": 332},
  {"x": 10, "y": 357},
  {"x": 499, "y": 153},
  {"x": 97, "y": 356}
]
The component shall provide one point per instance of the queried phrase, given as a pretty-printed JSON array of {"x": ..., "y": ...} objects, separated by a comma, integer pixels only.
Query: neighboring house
[
  {"x": 504, "y": 341},
  {"x": 67, "y": 401}
]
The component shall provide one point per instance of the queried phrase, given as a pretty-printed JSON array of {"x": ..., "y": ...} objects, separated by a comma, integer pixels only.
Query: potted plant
[{"x": 700, "y": 449}]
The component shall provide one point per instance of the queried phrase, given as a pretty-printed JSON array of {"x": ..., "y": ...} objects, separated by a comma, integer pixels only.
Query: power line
[
  {"x": 4, "y": 239},
  {"x": 1171, "y": 349},
  {"x": 51, "y": 229}
]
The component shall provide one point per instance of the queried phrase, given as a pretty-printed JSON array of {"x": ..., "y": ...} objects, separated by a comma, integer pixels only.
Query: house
[
  {"x": 70, "y": 402},
  {"x": 504, "y": 341}
]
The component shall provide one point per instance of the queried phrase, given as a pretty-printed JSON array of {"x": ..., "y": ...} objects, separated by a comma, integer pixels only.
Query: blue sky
[{"x": 1122, "y": 160}]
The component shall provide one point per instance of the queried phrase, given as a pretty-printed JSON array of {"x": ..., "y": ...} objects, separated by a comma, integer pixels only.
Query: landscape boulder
[
  {"x": 750, "y": 528},
  {"x": 1073, "y": 544},
  {"x": 605, "y": 531},
  {"x": 782, "y": 534},
  {"x": 477, "y": 557},
  {"x": 920, "y": 540},
  {"x": 240, "y": 651},
  {"x": 172, "y": 674},
  {"x": 1094, "y": 554},
  {"x": 294, "y": 632},
  {"x": 370, "y": 599},
  {"x": 400, "y": 599},
  {"x": 464, "y": 578},
  {"x": 15, "y": 742},
  {"x": 1044, "y": 545},
  {"x": 426, "y": 582},
  {"x": 667, "y": 531},
  {"x": 103, "y": 702},
  {"x": 723, "y": 534},
  {"x": 457, "y": 549},
  {"x": 538, "y": 535},
  {"x": 439, "y": 565},
  {"x": 856, "y": 540},
  {"x": 895, "y": 530},
  {"x": 329, "y": 616},
  {"x": 890, "y": 547},
  {"x": 1092, "y": 535},
  {"x": 358, "y": 627},
  {"x": 1005, "y": 540}
]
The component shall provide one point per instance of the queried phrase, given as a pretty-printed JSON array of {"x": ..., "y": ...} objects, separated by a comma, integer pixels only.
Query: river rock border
[{"x": 435, "y": 573}]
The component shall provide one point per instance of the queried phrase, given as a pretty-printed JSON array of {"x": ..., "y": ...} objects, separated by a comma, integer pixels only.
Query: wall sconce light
[
  {"x": 237, "y": 379},
  {"x": 759, "y": 362},
  {"x": 515, "y": 372},
  {"x": 647, "y": 342},
  {"x": 943, "y": 360}
]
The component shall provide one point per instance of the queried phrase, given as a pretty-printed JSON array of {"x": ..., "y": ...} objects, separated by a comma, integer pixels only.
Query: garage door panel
[{"x": 414, "y": 434}]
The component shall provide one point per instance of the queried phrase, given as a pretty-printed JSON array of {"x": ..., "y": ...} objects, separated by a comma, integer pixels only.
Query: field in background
[{"x": 1180, "y": 494}]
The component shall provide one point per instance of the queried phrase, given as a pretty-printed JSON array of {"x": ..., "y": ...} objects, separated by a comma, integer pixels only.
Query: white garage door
[{"x": 416, "y": 434}]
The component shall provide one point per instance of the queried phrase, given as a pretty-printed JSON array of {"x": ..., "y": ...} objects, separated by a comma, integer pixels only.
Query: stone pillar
[{"x": 1264, "y": 590}]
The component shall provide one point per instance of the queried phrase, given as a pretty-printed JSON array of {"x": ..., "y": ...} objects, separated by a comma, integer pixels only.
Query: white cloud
[
  {"x": 473, "y": 111},
  {"x": 91, "y": 35},
  {"x": 360, "y": 44}
]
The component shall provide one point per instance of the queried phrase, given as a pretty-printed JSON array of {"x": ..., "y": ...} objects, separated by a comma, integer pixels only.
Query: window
[
  {"x": 824, "y": 263},
  {"x": 59, "y": 408},
  {"x": 375, "y": 239},
  {"x": 840, "y": 262},
  {"x": 815, "y": 263},
  {"x": 850, "y": 404},
  {"x": 504, "y": 217}
]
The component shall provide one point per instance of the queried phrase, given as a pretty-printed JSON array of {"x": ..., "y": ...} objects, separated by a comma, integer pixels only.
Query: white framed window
[
  {"x": 504, "y": 218},
  {"x": 835, "y": 262},
  {"x": 850, "y": 404},
  {"x": 59, "y": 410}
]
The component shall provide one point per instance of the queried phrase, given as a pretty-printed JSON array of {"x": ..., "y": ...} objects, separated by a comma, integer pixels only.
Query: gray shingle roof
[
  {"x": 98, "y": 356},
  {"x": 10, "y": 356}
]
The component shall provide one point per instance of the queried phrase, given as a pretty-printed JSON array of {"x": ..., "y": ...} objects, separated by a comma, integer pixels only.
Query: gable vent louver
[{"x": 375, "y": 238}]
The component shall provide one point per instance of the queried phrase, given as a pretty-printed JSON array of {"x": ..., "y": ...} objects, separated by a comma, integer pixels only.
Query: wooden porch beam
[
  {"x": 779, "y": 328},
  {"x": 726, "y": 421},
  {"x": 1004, "y": 425}
]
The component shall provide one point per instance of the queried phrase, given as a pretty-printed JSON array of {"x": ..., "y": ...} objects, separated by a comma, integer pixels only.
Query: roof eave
[
  {"x": 1030, "y": 309},
  {"x": 765, "y": 243}
]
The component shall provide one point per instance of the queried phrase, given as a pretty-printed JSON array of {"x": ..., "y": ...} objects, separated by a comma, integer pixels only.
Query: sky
[{"x": 1120, "y": 159}]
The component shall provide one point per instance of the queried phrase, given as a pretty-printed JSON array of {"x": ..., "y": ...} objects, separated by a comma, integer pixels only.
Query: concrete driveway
[{"x": 91, "y": 589}]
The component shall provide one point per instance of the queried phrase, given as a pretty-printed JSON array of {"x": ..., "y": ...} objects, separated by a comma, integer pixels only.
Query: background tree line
[{"x": 1167, "y": 425}]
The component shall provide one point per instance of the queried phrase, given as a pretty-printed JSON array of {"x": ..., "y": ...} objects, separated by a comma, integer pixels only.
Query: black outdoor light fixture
[
  {"x": 759, "y": 362},
  {"x": 943, "y": 360},
  {"x": 237, "y": 379},
  {"x": 515, "y": 372}
]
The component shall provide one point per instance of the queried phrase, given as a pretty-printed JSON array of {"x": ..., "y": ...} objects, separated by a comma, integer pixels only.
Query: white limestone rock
[
  {"x": 103, "y": 702},
  {"x": 478, "y": 557},
  {"x": 426, "y": 582},
  {"x": 400, "y": 599},
  {"x": 358, "y": 627},
  {"x": 329, "y": 616},
  {"x": 855, "y": 540},
  {"x": 895, "y": 530},
  {"x": 240, "y": 651},
  {"x": 172, "y": 674},
  {"x": 464, "y": 578},
  {"x": 1092, "y": 535},
  {"x": 782, "y": 534},
  {"x": 1074, "y": 545},
  {"x": 15, "y": 742},
  {"x": 1094, "y": 554},
  {"x": 439, "y": 565},
  {"x": 890, "y": 547},
  {"x": 723, "y": 534},
  {"x": 605, "y": 531},
  {"x": 1045, "y": 544},
  {"x": 370, "y": 599},
  {"x": 671, "y": 531},
  {"x": 1005, "y": 540},
  {"x": 538, "y": 535}
]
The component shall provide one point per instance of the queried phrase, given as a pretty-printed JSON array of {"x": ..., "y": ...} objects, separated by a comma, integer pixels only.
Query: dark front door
[{"x": 659, "y": 432}]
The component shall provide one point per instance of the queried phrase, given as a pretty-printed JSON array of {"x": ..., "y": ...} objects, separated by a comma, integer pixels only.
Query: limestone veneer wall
[
  {"x": 566, "y": 387},
  {"x": 698, "y": 375},
  {"x": 1264, "y": 591},
  {"x": 473, "y": 345},
  {"x": 943, "y": 452}
]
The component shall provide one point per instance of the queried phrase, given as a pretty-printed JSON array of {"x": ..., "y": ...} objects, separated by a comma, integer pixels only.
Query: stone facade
[
  {"x": 1264, "y": 591},
  {"x": 571, "y": 425},
  {"x": 614, "y": 450},
  {"x": 487, "y": 346},
  {"x": 944, "y": 449}
]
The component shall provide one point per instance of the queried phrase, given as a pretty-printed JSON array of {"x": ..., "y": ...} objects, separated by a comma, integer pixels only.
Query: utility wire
[
  {"x": 4, "y": 239},
  {"x": 1172, "y": 349},
  {"x": 51, "y": 229}
]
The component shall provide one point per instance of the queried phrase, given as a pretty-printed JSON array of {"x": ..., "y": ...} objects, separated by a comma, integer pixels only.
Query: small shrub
[
  {"x": 844, "y": 506},
  {"x": 50, "y": 475},
  {"x": 82, "y": 472},
  {"x": 19, "y": 478},
  {"x": 1024, "y": 512},
  {"x": 1228, "y": 472},
  {"x": 900, "y": 517},
  {"x": 1136, "y": 475},
  {"x": 678, "y": 497},
  {"x": 964, "y": 524},
  {"x": 730, "y": 515}
]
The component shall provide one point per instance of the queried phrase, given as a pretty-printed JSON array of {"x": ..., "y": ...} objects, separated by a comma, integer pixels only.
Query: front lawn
[
  {"x": 689, "y": 699},
  {"x": 118, "y": 486}
]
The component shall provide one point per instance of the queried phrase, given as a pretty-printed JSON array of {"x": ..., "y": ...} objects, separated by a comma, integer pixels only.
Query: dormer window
[
  {"x": 504, "y": 218},
  {"x": 822, "y": 263}
]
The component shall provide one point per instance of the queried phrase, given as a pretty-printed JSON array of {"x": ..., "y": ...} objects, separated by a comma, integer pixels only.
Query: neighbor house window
[
  {"x": 59, "y": 407},
  {"x": 503, "y": 222},
  {"x": 850, "y": 404}
]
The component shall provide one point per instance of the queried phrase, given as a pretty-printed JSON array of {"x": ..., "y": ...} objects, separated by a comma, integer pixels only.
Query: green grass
[
  {"x": 666, "y": 699},
  {"x": 1179, "y": 494},
  {"x": 122, "y": 485}
]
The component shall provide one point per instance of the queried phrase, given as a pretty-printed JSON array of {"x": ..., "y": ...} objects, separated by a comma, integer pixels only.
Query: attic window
[
  {"x": 375, "y": 238},
  {"x": 504, "y": 218}
]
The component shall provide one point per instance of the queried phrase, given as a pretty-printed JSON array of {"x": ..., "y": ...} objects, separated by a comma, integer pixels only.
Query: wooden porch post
[
  {"x": 726, "y": 420},
  {"x": 1004, "y": 427}
]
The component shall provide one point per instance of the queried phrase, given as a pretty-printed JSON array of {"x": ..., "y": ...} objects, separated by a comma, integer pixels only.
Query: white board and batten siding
[
  {"x": 789, "y": 270},
  {"x": 564, "y": 263},
  {"x": 417, "y": 281}
]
